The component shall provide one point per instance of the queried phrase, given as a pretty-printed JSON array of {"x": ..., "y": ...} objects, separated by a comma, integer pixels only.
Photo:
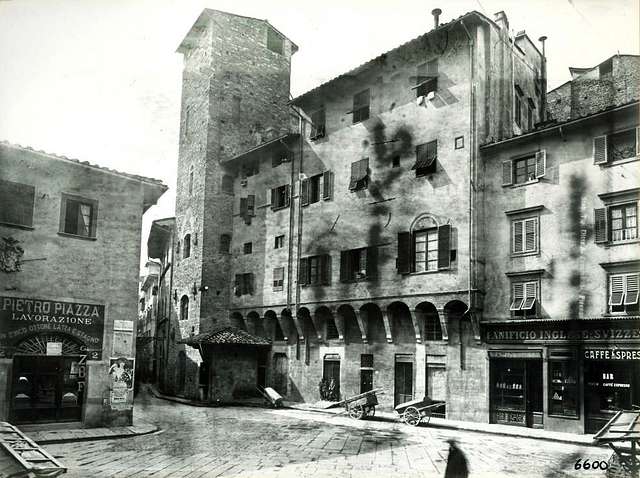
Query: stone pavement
[{"x": 248, "y": 442}]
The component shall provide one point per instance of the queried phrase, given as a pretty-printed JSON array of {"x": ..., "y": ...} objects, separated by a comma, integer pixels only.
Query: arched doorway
[
  {"x": 182, "y": 372},
  {"x": 49, "y": 378}
]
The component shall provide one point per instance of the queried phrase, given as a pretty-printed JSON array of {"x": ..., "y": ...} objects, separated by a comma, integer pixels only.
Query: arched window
[
  {"x": 225, "y": 243},
  {"x": 186, "y": 252},
  {"x": 190, "y": 179},
  {"x": 227, "y": 184},
  {"x": 432, "y": 328},
  {"x": 184, "y": 308}
]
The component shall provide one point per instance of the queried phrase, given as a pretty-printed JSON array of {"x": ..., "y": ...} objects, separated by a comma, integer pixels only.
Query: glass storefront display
[{"x": 563, "y": 383}]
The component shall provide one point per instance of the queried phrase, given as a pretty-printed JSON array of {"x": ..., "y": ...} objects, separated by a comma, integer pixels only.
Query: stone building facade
[
  {"x": 146, "y": 324},
  {"x": 70, "y": 239}
]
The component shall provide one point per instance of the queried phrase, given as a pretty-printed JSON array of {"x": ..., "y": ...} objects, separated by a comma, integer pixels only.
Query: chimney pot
[{"x": 436, "y": 17}]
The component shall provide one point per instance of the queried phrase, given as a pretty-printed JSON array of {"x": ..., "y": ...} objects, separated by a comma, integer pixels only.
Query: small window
[
  {"x": 606, "y": 68},
  {"x": 395, "y": 162},
  {"x": 280, "y": 197},
  {"x": 17, "y": 203},
  {"x": 524, "y": 298},
  {"x": 361, "y": 106},
  {"x": 315, "y": 270},
  {"x": 275, "y": 42},
  {"x": 227, "y": 184},
  {"x": 184, "y": 307},
  {"x": 79, "y": 216},
  {"x": 359, "y": 175},
  {"x": 225, "y": 243},
  {"x": 426, "y": 158},
  {"x": 248, "y": 208},
  {"x": 366, "y": 361},
  {"x": 310, "y": 189},
  {"x": 248, "y": 247},
  {"x": 358, "y": 264},
  {"x": 517, "y": 107},
  {"x": 244, "y": 284},
  {"x": 279, "y": 242},
  {"x": 187, "y": 121},
  {"x": 186, "y": 251},
  {"x": 318, "y": 128},
  {"x": 278, "y": 278},
  {"x": 525, "y": 169},
  {"x": 178, "y": 249},
  {"x": 235, "y": 108},
  {"x": 190, "y": 179},
  {"x": 524, "y": 236},
  {"x": 459, "y": 142},
  {"x": 623, "y": 293}
]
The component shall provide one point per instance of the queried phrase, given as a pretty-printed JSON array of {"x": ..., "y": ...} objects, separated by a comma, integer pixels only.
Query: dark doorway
[
  {"x": 182, "y": 372},
  {"x": 366, "y": 380},
  {"x": 534, "y": 394},
  {"x": 331, "y": 370},
  {"x": 403, "y": 382},
  {"x": 47, "y": 388},
  {"x": 262, "y": 371},
  {"x": 280, "y": 366}
]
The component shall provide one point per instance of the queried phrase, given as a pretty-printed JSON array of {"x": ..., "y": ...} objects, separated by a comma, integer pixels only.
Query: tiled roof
[
  {"x": 225, "y": 335},
  {"x": 143, "y": 179}
]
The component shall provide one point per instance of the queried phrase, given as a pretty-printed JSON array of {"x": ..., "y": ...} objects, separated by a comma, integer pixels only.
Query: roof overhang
[
  {"x": 224, "y": 337},
  {"x": 159, "y": 234},
  {"x": 266, "y": 147}
]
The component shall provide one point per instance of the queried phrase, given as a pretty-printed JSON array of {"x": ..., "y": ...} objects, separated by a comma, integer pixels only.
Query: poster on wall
[
  {"x": 121, "y": 374},
  {"x": 23, "y": 317}
]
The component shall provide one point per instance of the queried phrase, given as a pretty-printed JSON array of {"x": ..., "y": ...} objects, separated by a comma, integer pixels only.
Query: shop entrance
[
  {"x": 403, "y": 386},
  {"x": 47, "y": 388},
  {"x": 516, "y": 392}
]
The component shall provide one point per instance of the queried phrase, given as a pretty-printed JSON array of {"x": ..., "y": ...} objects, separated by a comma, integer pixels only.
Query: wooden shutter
[
  {"x": 243, "y": 207},
  {"x": 304, "y": 192},
  {"x": 405, "y": 257},
  {"x": 327, "y": 185},
  {"x": 325, "y": 269},
  {"x": 518, "y": 242},
  {"x": 345, "y": 265},
  {"x": 507, "y": 174},
  {"x": 372, "y": 261},
  {"x": 530, "y": 231},
  {"x": 600, "y": 225},
  {"x": 287, "y": 195},
  {"x": 600, "y": 150},
  {"x": 238, "y": 286},
  {"x": 251, "y": 205},
  {"x": 616, "y": 289},
  {"x": 303, "y": 272},
  {"x": 518, "y": 296},
  {"x": 444, "y": 239},
  {"x": 530, "y": 289},
  {"x": 274, "y": 197},
  {"x": 541, "y": 163},
  {"x": 632, "y": 289},
  {"x": 638, "y": 141}
]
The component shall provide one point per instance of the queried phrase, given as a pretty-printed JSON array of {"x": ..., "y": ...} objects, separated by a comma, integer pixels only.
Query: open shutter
[
  {"x": 274, "y": 196},
  {"x": 372, "y": 261},
  {"x": 530, "y": 229},
  {"x": 507, "y": 174},
  {"x": 600, "y": 147},
  {"x": 243, "y": 207},
  {"x": 251, "y": 205},
  {"x": 600, "y": 225},
  {"x": 518, "y": 241},
  {"x": 287, "y": 195},
  {"x": 518, "y": 296},
  {"x": 405, "y": 259},
  {"x": 541, "y": 163},
  {"x": 327, "y": 179},
  {"x": 238, "y": 286},
  {"x": 325, "y": 269},
  {"x": 444, "y": 239},
  {"x": 303, "y": 273},
  {"x": 616, "y": 290},
  {"x": 345, "y": 265},
  {"x": 631, "y": 297},
  {"x": 304, "y": 192}
]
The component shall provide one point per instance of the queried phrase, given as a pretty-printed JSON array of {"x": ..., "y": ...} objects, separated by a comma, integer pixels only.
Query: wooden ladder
[{"x": 33, "y": 458}]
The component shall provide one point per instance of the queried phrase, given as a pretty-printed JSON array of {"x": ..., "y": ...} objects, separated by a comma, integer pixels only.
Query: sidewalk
[{"x": 42, "y": 436}]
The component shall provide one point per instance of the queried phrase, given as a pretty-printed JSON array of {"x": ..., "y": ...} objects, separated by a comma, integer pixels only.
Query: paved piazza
[{"x": 242, "y": 441}]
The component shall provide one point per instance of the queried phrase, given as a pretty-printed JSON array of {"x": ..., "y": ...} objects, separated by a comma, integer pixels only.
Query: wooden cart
[
  {"x": 361, "y": 406},
  {"x": 271, "y": 397},
  {"x": 622, "y": 434},
  {"x": 34, "y": 460},
  {"x": 416, "y": 411}
]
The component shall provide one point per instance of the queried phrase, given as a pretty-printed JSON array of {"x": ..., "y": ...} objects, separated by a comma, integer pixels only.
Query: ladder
[{"x": 33, "y": 458}]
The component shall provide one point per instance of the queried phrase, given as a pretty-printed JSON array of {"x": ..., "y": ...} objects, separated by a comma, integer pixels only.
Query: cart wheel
[
  {"x": 412, "y": 416},
  {"x": 356, "y": 412}
]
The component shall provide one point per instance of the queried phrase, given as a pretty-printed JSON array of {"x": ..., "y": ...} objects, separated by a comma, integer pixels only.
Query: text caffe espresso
[
  {"x": 47, "y": 348},
  {"x": 570, "y": 375}
]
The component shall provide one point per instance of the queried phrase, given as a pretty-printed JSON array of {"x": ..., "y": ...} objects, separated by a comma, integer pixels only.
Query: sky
[{"x": 100, "y": 80}]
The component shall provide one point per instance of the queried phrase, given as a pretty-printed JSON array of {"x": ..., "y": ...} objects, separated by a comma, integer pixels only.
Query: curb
[{"x": 49, "y": 441}]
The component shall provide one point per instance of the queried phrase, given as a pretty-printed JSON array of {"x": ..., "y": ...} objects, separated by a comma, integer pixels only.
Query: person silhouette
[{"x": 457, "y": 466}]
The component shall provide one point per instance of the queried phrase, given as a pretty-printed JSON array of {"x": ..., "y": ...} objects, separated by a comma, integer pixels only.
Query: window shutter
[
  {"x": 631, "y": 297},
  {"x": 251, "y": 205},
  {"x": 372, "y": 261},
  {"x": 507, "y": 174},
  {"x": 327, "y": 178},
  {"x": 444, "y": 254},
  {"x": 530, "y": 289},
  {"x": 243, "y": 207},
  {"x": 541, "y": 163},
  {"x": 345, "y": 265},
  {"x": 237, "y": 286},
  {"x": 600, "y": 147},
  {"x": 304, "y": 192},
  {"x": 303, "y": 273},
  {"x": 616, "y": 289},
  {"x": 287, "y": 195},
  {"x": 517, "y": 236},
  {"x": 273, "y": 197},
  {"x": 325, "y": 269},
  {"x": 530, "y": 226},
  {"x": 518, "y": 296},
  {"x": 600, "y": 225},
  {"x": 405, "y": 258},
  {"x": 638, "y": 141}
]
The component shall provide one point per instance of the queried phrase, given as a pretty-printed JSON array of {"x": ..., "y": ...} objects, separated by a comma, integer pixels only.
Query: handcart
[
  {"x": 271, "y": 396},
  {"x": 622, "y": 434},
  {"x": 415, "y": 411},
  {"x": 361, "y": 406}
]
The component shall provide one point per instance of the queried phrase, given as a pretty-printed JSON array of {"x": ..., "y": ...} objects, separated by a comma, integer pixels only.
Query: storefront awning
[{"x": 226, "y": 335}]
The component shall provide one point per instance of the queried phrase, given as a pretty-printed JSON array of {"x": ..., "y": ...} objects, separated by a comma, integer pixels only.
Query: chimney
[
  {"x": 501, "y": 19},
  {"x": 436, "y": 17}
]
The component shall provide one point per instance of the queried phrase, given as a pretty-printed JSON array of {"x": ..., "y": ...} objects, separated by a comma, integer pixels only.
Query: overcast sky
[{"x": 99, "y": 80}]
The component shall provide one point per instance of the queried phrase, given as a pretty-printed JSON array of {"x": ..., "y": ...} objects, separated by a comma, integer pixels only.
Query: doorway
[
  {"x": 331, "y": 370},
  {"x": 182, "y": 372},
  {"x": 280, "y": 366},
  {"x": 403, "y": 386},
  {"x": 516, "y": 392},
  {"x": 47, "y": 388}
]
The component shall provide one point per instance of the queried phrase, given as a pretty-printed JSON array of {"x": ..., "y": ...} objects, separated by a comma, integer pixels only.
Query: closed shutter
[
  {"x": 531, "y": 230},
  {"x": 507, "y": 174},
  {"x": 345, "y": 266},
  {"x": 274, "y": 198},
  {"x": 631, "y": 296},
  {"x": 518, "y": 241},
  {"x": 616, "y": 289},
  {"x": 327, "y": 178},
  {"x": 372, "y": 261},
  {"x": 249, "y": 278},
  {"x": 238, "y": 285},
  {"x": 287, "y": 195},
  {"x": 405, "y": 257},
  {"x": 304, "y": 192},
  {"x": 243, "y": 207},
  {"x": 303, "y": 272},
  {"x": 541, "y": 163},
  {"x": 325, "y": 269},
  {"x": 600, "y": 147},
  {"x": 600, "y": 225},
  {"x": 251, "y": 205},
  {"x": 444, "y": 238}
]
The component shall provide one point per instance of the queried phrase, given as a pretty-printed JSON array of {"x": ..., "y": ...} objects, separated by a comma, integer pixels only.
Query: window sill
[
  {"x": 279, "y": 208},
  {"x": 515, "y": 255},
  {"x": 621, "y": 314},
  {"x": 609, "y": 164},
  {"x": 278, "y": 289},
  {"x": 568, "y": 417},
  {"x": 314, "y": 285},
  {"x": 519, "y": 185},
  {"x": 621, "y": 243},
  {"x": 17, "y": 226},
  {"x": 75, "y": 236},
  {"x": 426, "y": 272},
  {"x": 353, "y": 281}
]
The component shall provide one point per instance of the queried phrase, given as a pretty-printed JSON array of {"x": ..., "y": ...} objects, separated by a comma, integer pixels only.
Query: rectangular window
[
  {"x": 524, "y": 297},
  {"x": 618, "y": 146},
  {"x": 250, "y": 168},
  {"x": 427, "y": 78},
  {"x": 280, "y": 197},
  {"x": 248, "y": 247},
  {"x": 525, "y": 169},
  {"x": 361, "y": 106},
  {"x": 78, "y": 216},
  {"x": 315, "y": 270},
  {"x": 244, "y": 284},
  {"x": 359, "y": 175},
  {"x": 310, "y": 189},
  {"x": 278, "y": 278},
  {"x": 278, "y": 242},
  {"x": 426, "y": 156},
  {"x": 366, "y": 361},
  {"x": 623, "y": 293},
  {"x": 357, "y": 264},
  {"x": 248, "y": 208},
  {"x": 275, "y": 42},
  {"x": 235, "y": 108},
  {"x": 563, "y": 387},
  {"x": 17, "y": 203},
  {"x": 517, "y": 107},
  {"x": 318, "y": 128},
  {"x": 623, "y": 222},
  {"x": 426, "y": 250},
  {"x": 524, "y": 236}
]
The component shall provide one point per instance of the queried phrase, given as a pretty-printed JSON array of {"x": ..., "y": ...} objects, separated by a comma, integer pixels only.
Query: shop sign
[
  {"x": 21, "y": 317},
  {"x": 515, "y": 354},
  {"x": 611, "y": 354},
  {"x": 501, "y": 335},
  {"x": 123, "y": 325},
  {"x": 54, "y": 348}
]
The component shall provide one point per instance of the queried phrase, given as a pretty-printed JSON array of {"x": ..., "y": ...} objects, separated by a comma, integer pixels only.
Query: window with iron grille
[
  {"x": 278, "y": 278},
  {"x": 432, "y": 327},
  {"x": 426, "y": 158},
  {"x": 524, "y": 236},
  {"x": 17, "y": 201},
  {"x": 359, "y": 175},
  {"x": 525, "y": 296},
  {"x": 366, "y": 360},
  {"x": 623, "y": 293},
  {"x": 331, "y": 329},
  {"x": 248, "y": 247},
  {"x": 78, "y": 216},
  {"x": 361, "y": 106}
]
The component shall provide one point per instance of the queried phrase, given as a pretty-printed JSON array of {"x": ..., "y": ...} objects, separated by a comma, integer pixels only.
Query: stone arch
[
  {"x": 349, "y": 322},
  {"x": 307, "y": 325},
  {"x": 429, "y": 321},
  {"x": 326, "y": 324},
  {"x": 288, "y": 326},
  {"x": 423, "y": 221},
  {"x": 256, "y": 325},
  {"x": 184, "y": 307},
  {"x": 272, "y": 327},
  {"x": 372, "y": 316},
  {"x": 236, "y": 320},
  {"x": 401, "y": 322}
]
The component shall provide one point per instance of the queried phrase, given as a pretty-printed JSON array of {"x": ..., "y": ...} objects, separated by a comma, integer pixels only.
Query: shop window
[
  {"x": 524, "y": 236},
  {"x": 280, "y": 197},
  {"x": 78, "y": 216},
  {"x": 426, "y": 158},
  {"x": 617, "y": 146},
  {"x": 17, "y": 201},
  {"x": 315, "y": 270},
  {"x": 524, "y": 298},
  {"x": 278, "y": 278},
  {"x": 507, "y": 397},
  {"x": 225, "y": 243},
  {"x": 186, "y": 249},
  {"x": 563, "y": 387},
  {"x": 318, "y": 126},
  {"x": 358, "y": 264},
  {"x": 425, "y": 250},
  {"x": 524, "y": 169},
  {"x": 275, "y": 42},
  {"x": 279, "y": 242},
  {"x": 623, "y": 293},
  {"x": 184, "y": 307},
  {"x": 247, "y": 247},
  {"x": 244, "y": 284},
  {"x": 359, "y": 175},
  {"x": 360, "y": 110}
]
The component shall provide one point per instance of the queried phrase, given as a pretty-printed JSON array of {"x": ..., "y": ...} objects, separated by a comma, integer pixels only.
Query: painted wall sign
[
  {"x": 517, "y": 354},
  {"x": 21, "y": 317},
  {"x": 502, "y": 334},
  {"x": 611, "y": 354}
]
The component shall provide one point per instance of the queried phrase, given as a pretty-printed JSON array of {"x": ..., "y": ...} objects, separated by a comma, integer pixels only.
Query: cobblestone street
[{"x": 243, "y": 441}]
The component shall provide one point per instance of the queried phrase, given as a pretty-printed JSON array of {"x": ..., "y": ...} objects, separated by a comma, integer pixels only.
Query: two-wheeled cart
[
  {"x": 362, "y": 405},
  {"x": 415, "y": 411}
]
